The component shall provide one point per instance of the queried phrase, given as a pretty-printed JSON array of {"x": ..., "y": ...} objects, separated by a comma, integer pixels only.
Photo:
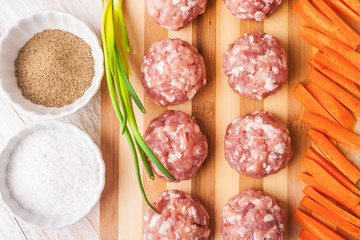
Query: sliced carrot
[
  {"x": 332, "y": 106},
  {"x": 338, "y": 64},
  {"x": 316, "y": 19},
  {"x": 332, "y": 170},
  {"x": 321, "y": 41},
  {"x": 309, "y": 102},
  {"x": 330, "y": 216},
  {"x": 337, "y": 92},
  {"x": 353, "y": 5},
  {"x": 331, "y": 129},
  {"x": 346, "y": 28},
  {"x": 312, "y": 193},
  {"x": 356, "y": 210},
  {"x": 325, "y": 189},
  {"x": 333, "y": 154},
  {"x": 306, "y": 235},
  {"x": 317, "y": 228},
  {"x": 345, "y": 10},
  {"x": 339, "y": 79},
  {"x": 346, "y": 198}
]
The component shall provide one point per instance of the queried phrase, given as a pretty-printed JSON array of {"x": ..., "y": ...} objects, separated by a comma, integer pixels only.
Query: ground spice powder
[{"x": 54, "y": 68}]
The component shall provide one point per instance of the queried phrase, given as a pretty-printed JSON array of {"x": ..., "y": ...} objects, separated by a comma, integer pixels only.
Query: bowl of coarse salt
[
  {"x": 51, "y": 65},
  {"x": 51, "y": 174}
]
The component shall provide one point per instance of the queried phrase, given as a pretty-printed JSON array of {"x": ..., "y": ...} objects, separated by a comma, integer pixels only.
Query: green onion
[{"x": 116, "y": 46}]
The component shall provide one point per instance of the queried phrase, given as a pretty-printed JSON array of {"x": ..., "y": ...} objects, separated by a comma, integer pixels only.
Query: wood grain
[{"x": 214, "y": 108}]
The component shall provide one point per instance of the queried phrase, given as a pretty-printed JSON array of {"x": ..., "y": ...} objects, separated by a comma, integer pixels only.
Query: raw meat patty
[
  {"x": 176, "y": 140},
  {"x": 175, "y": 14},
  {"x": 253, "y": 215},
  {"x": 257, "y": 145},
  {"x": 182, "y": 217},
  {"x": 258, "y": 10},
  {"x": 172, "y": 72},
  {"x": 255, "y": 65}
]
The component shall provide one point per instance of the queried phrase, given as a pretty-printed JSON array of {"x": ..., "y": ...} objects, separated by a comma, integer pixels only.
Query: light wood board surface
[
  {"x": 122, "y": 208},
  {"x": 214, "y": 108},
  {"x": 87, "y": 119}
]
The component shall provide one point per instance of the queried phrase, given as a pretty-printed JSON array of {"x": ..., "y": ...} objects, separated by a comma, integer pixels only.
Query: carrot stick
[
  {"x": 346, "y": 28},
  {"x": 346, "y": 198},
  {"x": 312, "y": 193},
  {"x": 338, "y": 64},
  {"x": 356, "y": 210},
  {"x": 330, "y": 216},
  {"x": 345, "y": 10},
  {"x": 317, "y": 228},
  {"x": 331, "y": 129},
  {"x": 337, "y": 92},
  {"x": 306, "y": 235},
  {"x": 332, "y": 170},
  {"x": 336, "y": 109},
  {"x": 332, "y": 153},
  {"x": 326, "y": 190},
  {"x": 353, "y": 5},
  {"x": 316, "y": 19},
  {"x": 321, "y": 41},
  {"x": 339, "y": 79},
  {"x": 309, "y": 102},
  {"x": 346, "y": 66}
]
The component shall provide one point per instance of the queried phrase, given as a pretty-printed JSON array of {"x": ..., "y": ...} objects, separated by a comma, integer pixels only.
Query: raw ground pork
[
  {"x": 253, "y": 215},
  {"x": 257, "y": 144},
  {"x": 255, "y": 65},
  {"x": 175, "y": 14},
  {"x": 176, "y": 140},
  {"x": 172, "y": 72},
  {"x": 258, "y": 10},
  {"x": 182, "y": 218}
]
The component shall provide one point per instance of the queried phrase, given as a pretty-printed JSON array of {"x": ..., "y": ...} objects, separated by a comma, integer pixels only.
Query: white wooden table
[{"x": 12, "y": 121}]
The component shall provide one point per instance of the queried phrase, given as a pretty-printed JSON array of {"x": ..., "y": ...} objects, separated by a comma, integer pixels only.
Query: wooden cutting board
[{"x": 122, "y": 207}]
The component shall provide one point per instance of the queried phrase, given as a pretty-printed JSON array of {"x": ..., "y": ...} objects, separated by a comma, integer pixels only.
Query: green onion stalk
[{"x": 116, "y": 47}]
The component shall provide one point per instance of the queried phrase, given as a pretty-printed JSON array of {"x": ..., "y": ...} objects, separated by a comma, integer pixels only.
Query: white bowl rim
[
  {"x": 95, "y": 82},
  {"x": 54, "y": 124}
]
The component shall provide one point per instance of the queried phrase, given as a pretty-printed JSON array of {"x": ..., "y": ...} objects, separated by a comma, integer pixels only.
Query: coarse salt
[{"x": 53, "y": 172}]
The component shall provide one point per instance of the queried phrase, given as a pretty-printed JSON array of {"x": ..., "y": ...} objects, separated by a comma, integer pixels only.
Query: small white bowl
[
  {"x": 28, "y": 216},
  {"x": 16, "y": 37}
]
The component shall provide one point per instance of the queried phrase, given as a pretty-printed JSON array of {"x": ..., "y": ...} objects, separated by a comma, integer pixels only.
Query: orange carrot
[
  {"x": 356, "y": 210},
  {"x": 332, "y": 153},
  {"x": 316, "y": 19},
  {"x": 346, "y": 28},
  {"x": 310, "y": 103},
  {"x": 327, "y": 191},
  {"x": 339, "y": 79},
  {"x": 321, "y": 41},
  {"x": 317, "y": 228},
  {"x": 353, "y": 5},
  {"x": 332, "y": 170},
  {"x": 330, "y": 216},
  {"x": 336, "y": 109},
  {"x": 306, "y": 235},
  {"x": 337, "y": 92},
  {"x": 321, "y": 177},
  {"x": 345, "y": 10},
  {"x": 312, "y": 193},
  {"x": 331, "y": 129},
  {"x": 338, "y": 64},
  {"x": 309, "y": 180}
]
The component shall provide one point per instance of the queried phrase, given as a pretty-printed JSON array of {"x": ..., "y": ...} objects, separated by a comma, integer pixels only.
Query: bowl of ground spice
[
  {"x": 45, "y": 180},
  {"x": 51, "y": 65}
]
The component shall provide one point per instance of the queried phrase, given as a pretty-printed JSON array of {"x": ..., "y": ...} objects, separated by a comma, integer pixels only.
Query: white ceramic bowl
[
  {"x": 28, "y": 216},
  {"x": 16, "y": 37}
]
